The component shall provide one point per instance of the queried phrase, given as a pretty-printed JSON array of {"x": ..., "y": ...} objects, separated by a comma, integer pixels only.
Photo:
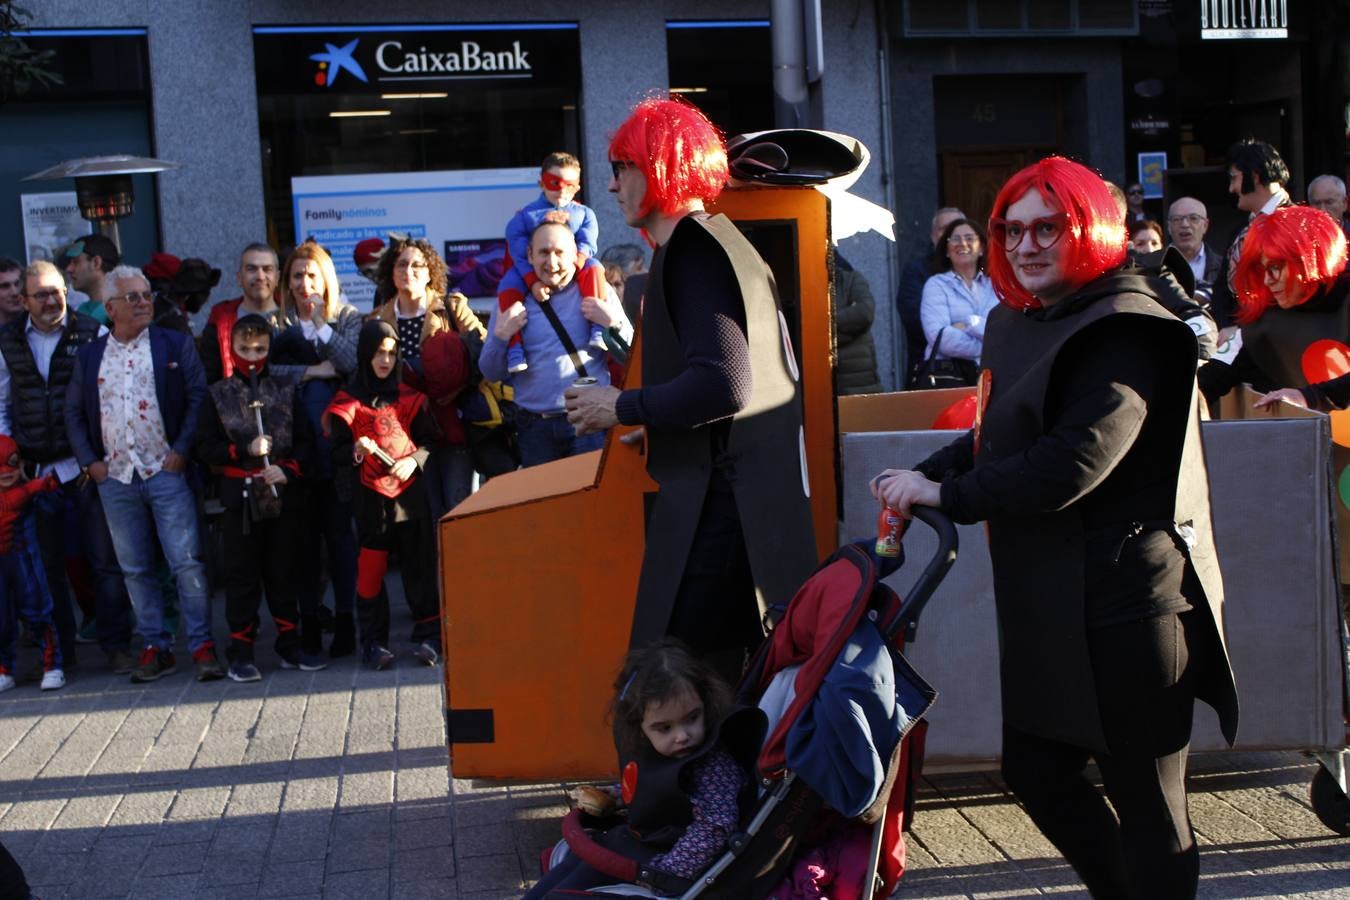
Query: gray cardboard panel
[{"x": 1273, "y": 526}]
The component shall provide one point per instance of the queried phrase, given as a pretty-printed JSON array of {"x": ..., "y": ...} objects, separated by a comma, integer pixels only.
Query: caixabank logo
[
  {"x": 392, "y": 60},
  {"x": 334, "y": 60}
]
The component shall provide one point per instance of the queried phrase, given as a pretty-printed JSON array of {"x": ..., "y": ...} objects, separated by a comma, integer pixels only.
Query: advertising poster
[
  {"x": 1151, "y": 169},
  {"x": 50, "y": 222},
  {"x": 463, "y": 214}
]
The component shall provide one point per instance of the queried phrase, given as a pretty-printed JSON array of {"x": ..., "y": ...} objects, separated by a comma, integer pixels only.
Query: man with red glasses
[{"x": 559, "y": 181}]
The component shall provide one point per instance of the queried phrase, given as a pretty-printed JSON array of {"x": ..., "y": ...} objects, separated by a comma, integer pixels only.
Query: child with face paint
[
  {"x": 23, "y": 581},
  {"x": 382, "y": 428},
  {"x": 263, "y": 502},
  {"x": 559, "y": 181}
]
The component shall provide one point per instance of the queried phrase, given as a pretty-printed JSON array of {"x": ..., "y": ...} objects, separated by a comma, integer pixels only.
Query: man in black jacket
[{"x": 37, "y": 357}]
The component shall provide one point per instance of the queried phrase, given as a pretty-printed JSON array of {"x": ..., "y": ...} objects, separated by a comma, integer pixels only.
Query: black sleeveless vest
[
  {"x": 764, "y": 458},
  {"x": 37, "y": 420},
  {"x": 232, "y": 397},
  {"x": 1038, "y": 559}
]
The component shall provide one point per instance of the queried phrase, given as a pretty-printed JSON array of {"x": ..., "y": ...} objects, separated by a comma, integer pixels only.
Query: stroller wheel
[{"x": 1330, "y": 802}]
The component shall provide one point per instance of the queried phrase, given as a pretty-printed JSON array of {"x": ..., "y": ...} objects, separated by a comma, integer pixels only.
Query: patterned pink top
[
  {"x": 133, "y": 429},
  {"x": 714, "y": 783}
]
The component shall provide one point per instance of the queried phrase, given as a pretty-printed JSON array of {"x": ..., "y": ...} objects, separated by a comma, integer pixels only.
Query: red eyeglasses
[
  {"x": 552, "y": 182},
  {"x": 1045, "y": 232}
]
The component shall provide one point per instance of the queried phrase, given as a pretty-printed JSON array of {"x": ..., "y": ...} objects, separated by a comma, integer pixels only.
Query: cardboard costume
[
  {"x": 763, "y": 460},
  {"x": 1045, "y": 668}
]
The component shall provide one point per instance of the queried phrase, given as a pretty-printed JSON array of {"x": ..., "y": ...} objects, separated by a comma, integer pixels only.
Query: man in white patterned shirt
[{"x": 131, "y": 413}]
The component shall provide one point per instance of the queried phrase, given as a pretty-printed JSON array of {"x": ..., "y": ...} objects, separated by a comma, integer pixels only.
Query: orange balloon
[
  {"x": 1340, "y": 427},
  {"x": 1324, "y": 360},
  {"x": 960, "y": 416}
]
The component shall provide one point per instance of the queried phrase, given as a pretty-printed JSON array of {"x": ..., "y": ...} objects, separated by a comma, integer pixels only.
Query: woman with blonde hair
[{"x": 321, "y": 327}]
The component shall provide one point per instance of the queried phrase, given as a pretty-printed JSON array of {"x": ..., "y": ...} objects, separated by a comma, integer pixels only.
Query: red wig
[
  {"x": 1309, "y": 242},
  {"x": 681, "y": 154},
  {"x": 1094, "y": 233}
]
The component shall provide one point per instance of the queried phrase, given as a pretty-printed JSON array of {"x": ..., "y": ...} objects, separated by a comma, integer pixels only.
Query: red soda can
[{"x": 890, "y": 526}]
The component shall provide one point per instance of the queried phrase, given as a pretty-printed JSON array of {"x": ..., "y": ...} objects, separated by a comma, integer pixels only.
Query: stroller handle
[{"x": 932, "y": 575}]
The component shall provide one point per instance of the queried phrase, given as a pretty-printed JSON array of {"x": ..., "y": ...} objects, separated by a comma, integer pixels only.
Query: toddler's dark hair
[{"x": 658, "y": 672}]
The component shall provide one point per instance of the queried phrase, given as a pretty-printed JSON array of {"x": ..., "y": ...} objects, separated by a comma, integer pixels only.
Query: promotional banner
[
  {"x": 50, "y": 222},
  {"x": 463, "y": 214}
]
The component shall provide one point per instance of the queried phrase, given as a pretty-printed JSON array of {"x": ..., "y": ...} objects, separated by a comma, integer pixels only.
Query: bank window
[
  {"x": 365, "y": 100},
  {"x": 725, "y": 68}
]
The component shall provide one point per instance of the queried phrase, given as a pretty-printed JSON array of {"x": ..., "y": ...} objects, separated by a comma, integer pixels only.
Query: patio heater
[{"x": 103, "y": 186}]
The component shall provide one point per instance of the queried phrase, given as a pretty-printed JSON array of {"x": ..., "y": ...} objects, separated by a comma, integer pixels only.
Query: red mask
[
  {"x": 247, "y": 367},
  {"x": 553, "y": 182}
]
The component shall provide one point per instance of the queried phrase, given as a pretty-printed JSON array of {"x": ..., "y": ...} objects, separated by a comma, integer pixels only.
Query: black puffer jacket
[{"x": 856, "y": 354}]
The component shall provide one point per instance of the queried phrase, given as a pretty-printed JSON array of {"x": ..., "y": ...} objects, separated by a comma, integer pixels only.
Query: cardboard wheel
[{"x": 1330, "y": 802}]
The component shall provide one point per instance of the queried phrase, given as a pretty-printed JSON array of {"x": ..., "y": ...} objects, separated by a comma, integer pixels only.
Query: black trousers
[
  {"x": 413, "y": 541},
  {"x": 715, "y": 612},
  {"x": 1146, "y": 698},
  {"x": 264, "y": 559}
]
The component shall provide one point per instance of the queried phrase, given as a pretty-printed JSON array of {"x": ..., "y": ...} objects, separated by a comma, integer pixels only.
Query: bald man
[{"x": 1187, "y": 225}]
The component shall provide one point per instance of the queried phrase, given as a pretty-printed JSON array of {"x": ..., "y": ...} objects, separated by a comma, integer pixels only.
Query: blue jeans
[
  {"x": 448, "y": 478},
  {"x": 24, "y": 595},
  {"x": 75, "y": 512},
  {"x": 164, "y": 501},
  {"x": 543, "y": 440}
]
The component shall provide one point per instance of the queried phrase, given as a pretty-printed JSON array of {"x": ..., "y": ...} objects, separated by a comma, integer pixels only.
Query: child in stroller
[{"x": 684, "y": 789}]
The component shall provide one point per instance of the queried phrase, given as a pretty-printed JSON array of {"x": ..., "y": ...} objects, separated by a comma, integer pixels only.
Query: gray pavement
[{"x": 336, "y": 784}]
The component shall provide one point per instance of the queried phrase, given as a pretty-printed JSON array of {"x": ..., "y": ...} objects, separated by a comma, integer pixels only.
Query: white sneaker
[
  {"x": 53, "y": 680},
  {"x": 6, "y": 682}
]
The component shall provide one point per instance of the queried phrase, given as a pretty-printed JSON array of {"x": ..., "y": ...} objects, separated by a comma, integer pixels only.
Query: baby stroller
[{"x": 837, "y": 768}]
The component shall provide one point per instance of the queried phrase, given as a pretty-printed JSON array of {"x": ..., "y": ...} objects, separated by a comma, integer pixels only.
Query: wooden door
[{"x": 971, "y": 178}]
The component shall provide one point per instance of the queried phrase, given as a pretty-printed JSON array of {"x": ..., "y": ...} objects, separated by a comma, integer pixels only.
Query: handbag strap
[
  {"x": 547, "y": 307},
  {"x": 937, "y": 342}
]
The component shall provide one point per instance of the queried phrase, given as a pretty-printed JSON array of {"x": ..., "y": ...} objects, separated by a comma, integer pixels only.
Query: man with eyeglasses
[
  {"x": 1187, "y": 225},
  {"x": 131, "y": 413},
  {"x": 37, "y": 360}
]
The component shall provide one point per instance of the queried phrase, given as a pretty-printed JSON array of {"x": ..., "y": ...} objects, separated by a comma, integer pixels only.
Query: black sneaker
[
  {"x": 377, "y": 657},
  {"x": 244, "y": 671},
  {"x": 153, "y": 665},
  {"x": 428, "y": 653},
  {"x": 208, "y": 668},
  {"x": 305, "y": 662}
]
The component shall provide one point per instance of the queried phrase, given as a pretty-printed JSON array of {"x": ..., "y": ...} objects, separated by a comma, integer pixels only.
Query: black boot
[{"x": 344, "y": 636}]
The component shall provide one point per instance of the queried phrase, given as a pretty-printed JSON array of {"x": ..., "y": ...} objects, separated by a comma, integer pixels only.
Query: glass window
[
  {"x": 725, "y": 68},
  {"x": 100, "y": 108},
  {"x": 392, "y": 99}
]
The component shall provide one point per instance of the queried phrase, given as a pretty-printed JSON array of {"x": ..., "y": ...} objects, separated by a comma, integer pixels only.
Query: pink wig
[
  {"x": 1094, "y": 232},
  {"x": 1309, "y": 242},
  {"x": 680, "y": 152}
]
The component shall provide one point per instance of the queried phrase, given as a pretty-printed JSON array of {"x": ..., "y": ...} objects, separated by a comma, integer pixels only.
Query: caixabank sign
[{"x": 379, "y": 58}]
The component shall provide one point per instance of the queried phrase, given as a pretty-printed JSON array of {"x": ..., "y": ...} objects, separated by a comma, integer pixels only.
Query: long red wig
[
  {"x": 1094, "y": 233},
  {"x": 1309, "y": 242},
  {"x": 681, "y": 154}
]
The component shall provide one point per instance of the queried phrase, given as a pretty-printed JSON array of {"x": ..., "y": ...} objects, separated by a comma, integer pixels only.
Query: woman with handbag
[
  {"x": 1086, "y": 464},
  {"x": 956, "y": 301}
]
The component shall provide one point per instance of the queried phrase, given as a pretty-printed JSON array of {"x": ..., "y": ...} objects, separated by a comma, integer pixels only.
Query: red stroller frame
[{"x": 843, "y": 594}]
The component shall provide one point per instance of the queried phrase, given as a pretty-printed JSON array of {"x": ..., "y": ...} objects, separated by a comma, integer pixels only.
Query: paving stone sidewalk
[{"x": 336, "y": 784}]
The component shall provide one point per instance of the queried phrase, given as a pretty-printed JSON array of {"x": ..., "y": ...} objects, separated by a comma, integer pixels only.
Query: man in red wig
[{"x": 729, "y": 535}]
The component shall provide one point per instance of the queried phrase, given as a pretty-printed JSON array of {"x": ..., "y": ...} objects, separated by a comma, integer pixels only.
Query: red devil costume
[
  {"x": 390, "y": 514},
  {"x": 23, "y": 583}
]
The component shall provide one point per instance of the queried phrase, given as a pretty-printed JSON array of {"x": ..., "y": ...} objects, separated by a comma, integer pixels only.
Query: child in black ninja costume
[
  {"x": 251, "y": 431},
  {"x": 382, "y": 428}
]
